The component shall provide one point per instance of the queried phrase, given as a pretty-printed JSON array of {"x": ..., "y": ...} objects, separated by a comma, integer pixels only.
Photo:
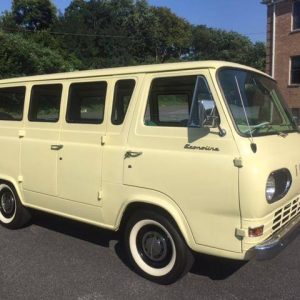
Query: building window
[
  {"x": 295, "y": 70},
  {"x": 296, "y": 15}
]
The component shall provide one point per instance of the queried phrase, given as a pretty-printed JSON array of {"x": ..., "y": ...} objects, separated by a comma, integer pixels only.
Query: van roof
[{"x": 129, "y": 70}]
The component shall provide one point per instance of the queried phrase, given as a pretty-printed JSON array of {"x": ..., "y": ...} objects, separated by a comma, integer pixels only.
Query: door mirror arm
[{"x": 200, "y": 119}]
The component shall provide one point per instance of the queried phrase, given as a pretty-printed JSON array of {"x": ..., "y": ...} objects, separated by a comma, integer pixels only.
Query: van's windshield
[{"x": 255, "y": 103}]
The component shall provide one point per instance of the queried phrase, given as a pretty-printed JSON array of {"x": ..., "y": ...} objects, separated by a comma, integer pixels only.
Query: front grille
[{"x": 286, "y": 213}]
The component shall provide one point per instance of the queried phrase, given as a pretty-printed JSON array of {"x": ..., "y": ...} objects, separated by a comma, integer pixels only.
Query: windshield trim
[{"x": 284, "y": 105}]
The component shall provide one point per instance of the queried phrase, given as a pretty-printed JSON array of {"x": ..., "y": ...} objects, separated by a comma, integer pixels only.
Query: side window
[
  {"x": 45, "y": 103},
  {"x": 123, "y": 93},
  {"x": 86, "y": 102},
  {"x": 169, "y": 101},
  {"x": 12, "y": 103}
]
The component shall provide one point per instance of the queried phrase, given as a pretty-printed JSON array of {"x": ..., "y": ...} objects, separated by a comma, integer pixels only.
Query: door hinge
[
  {"x": 238, "y": 162},
  {"x": 100, "y": 195},
  {"x": 103, "y": 140},
  {"x": 20, "y": 178}
]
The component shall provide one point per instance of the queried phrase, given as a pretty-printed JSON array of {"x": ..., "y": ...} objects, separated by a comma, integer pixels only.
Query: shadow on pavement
[
  {"x": 82, "y": 231},
  {"x": 209, "y": 266},
  {"x": 216, "y": 268}
]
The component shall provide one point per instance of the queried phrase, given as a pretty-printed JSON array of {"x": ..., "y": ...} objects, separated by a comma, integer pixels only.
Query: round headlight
[
  {"x": 270, "y": 188},
  {"x": 278, "y": 184}
]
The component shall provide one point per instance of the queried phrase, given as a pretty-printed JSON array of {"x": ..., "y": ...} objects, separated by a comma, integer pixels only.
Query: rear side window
[
  {"x": 169, "y": 101},
  {"x": 12, "y": 103},
  {"x": 123, "y": 93},
  {"x": 86, "y": 102},
  {"x": 45, "y": 103}
]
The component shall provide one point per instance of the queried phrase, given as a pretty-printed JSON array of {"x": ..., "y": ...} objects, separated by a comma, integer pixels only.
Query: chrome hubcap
[{"x": 154, "y": 246}]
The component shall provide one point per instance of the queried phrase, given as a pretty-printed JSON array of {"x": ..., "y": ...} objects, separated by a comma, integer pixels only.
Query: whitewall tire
[
  {"x": 7, "y": 204},
  {"x": 156, "y": 248},
  {"x": 12, "y": 213}
]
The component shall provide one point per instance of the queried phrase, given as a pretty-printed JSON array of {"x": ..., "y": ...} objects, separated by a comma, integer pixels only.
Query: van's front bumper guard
[{"x": 278, "y": 241}]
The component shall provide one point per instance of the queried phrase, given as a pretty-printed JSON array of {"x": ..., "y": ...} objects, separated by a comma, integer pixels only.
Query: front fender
[{"x": 161, "y": 201}]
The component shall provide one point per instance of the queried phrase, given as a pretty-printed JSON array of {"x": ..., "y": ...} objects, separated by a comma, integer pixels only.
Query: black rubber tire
[
  {"x": 181, "y": 259},
  {"x": 20, "y": 215}
]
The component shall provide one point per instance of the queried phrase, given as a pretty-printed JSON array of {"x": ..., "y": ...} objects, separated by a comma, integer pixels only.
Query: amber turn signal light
[{"x": 255, "y": 232}]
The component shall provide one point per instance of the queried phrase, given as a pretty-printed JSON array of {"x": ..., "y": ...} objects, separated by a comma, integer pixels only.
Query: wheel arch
[
  {"x": 166, "y": 209},
  {"x": 14, "y": 183}
]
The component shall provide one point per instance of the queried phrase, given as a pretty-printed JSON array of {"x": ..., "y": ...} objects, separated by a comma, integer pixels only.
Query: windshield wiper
[{"x": 253, "y": 128}]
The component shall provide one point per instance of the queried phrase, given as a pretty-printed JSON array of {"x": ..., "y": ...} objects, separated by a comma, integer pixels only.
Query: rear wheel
[
  {"x": 13, "y": 214},
  {"x": 155, "y": 247}
]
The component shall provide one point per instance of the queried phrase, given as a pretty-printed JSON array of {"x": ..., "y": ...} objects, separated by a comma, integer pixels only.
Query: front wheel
[
  {"x": 13, "y": 214},
  {"x": 156, "y": 249}
]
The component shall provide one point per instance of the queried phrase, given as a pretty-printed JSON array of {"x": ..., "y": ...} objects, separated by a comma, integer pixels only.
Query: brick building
[{"x": 283, "y": 48}]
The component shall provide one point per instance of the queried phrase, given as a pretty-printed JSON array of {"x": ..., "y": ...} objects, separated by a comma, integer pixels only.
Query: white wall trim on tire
[
  {"x": 136, "y": 256},
  {"x": 2, "y": 218}
]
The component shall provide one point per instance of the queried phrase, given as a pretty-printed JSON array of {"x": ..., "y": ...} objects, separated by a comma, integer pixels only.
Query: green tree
[
  {"x": 7, "y": 22},
  {"x": 173, "y": 35},
  {"x": 34, "y": 14},
  {"x": 257, "y": 56},
  {"x": 78, "y": 31},
  {"x": 108, "y": 33},
  {"x": 104, "y": 33},
  {"x": 122, "y": 32},
  {"x": 19, "y": 57},
  {"x": 216, "y": 44}
]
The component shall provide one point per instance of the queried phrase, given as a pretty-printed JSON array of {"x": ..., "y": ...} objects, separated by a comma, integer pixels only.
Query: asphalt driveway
[{"x": 55, "y": 258}]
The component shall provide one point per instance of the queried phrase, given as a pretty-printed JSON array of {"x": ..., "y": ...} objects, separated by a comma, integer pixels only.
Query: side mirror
[
  {"x": 203, "y": 112},
  {"x": 198, "y": 116}
]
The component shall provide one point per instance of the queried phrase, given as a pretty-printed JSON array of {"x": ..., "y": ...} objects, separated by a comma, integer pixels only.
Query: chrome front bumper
[{"x": 278, "y": 241}]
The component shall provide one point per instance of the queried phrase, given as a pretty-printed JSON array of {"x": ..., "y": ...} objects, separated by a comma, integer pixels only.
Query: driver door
[{"x": 192, "y": 166}]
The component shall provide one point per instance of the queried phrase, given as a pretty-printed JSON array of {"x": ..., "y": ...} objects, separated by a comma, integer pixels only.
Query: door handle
[
  {"x": 56, "y": 147},
  {"x": 132, "y": 154}
]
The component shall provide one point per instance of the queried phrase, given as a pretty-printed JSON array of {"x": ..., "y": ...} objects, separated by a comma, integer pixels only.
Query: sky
[{"x": 247, "y": 17}]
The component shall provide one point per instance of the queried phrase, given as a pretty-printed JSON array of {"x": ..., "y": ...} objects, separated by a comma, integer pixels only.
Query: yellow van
[{"x": 181, "y": 158}]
